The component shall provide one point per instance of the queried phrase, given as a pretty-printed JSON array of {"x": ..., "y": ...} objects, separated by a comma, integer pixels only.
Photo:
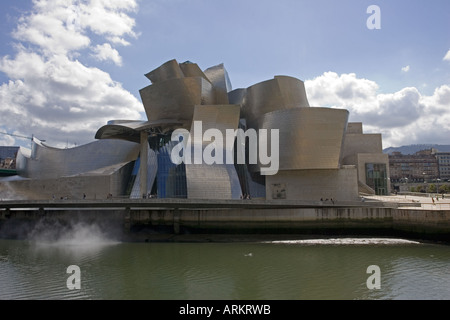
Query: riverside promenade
[{"x": 171, "y": 219}]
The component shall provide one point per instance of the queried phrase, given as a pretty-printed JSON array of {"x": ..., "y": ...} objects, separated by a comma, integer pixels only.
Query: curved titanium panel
[
  {"x": 217, "y": 180},
  {"x": 277, "y": 94},
  {"x": 22, "y": 157},
  {"x": 120, "y": 130},
  {"x": 212, "y": 181},
  {"x": 169, "y": 70},
  {"x": 176, "y": 98},
  {"x": 152, "y": 166},
  {"x": 237, "y": 96},
  {"x": 51, "y": 163},
  {"x": 130, "y": 131},
  {"x": 309, "y": 138},
  {"x": 221, "y": 117},
  {"x": 192, "y": 70},
  {"x": 218, "y": 76}
]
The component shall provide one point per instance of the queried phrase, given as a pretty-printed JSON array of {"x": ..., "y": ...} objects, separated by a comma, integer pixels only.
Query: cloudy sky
[{"x": 69, "y": 66}]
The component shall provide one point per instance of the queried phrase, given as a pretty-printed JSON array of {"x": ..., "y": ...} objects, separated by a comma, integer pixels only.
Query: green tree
[
  {"x": 420, "y": 188},
  {"x": 444, "y": 188}
]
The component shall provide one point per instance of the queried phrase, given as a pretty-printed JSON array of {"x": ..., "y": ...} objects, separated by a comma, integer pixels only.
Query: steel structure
[{"x": 311, "y": 139}]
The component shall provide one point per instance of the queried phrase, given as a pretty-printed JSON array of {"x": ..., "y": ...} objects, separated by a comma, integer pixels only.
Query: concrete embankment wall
[
  {"x": 426, "y": 222},
  {"x": 264, "y": 220},
  {"x": 155, "y": 223}
]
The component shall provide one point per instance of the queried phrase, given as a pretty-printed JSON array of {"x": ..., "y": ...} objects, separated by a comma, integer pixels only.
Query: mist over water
[
  {"x": 71, "y": 234},
  {"x": 37, "y": 266},
  {"x": 78, "y": 229}
]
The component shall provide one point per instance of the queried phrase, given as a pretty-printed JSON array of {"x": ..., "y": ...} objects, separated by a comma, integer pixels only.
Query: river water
[{"x": 250, "y": 270}]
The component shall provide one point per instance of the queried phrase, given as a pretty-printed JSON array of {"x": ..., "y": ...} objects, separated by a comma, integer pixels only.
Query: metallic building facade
[
  {"x": 45, "y": 162},
  {"x": 215, "y": 180},
  {"x": 311, "y": 142},
  {"x": 176, "y": 98},
  {"x": 152, "y": 167},
  {"x": 310, "y": 138},
  {"x": 277, "y": 94}
]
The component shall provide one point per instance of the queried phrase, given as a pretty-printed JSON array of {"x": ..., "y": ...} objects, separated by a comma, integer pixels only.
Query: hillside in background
[{"x": 413, "y": 148}]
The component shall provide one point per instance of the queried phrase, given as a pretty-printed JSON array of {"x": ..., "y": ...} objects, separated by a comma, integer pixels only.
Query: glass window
[{"x": 376, "y": 177}]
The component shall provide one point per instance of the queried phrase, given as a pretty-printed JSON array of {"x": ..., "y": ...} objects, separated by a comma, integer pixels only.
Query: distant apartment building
[
  {"x": 8, "y": 157},
  {"x": 443, "y": 159},
  {"x": 423, "y": 166}
]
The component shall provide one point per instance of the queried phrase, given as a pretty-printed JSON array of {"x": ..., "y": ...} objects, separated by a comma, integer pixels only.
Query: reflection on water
[
  {"x": 288, "y": 270},
  {"x": 347, "y": 241}
]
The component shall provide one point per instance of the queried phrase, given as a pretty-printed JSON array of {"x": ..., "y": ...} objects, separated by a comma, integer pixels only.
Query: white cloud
[
  {"x": 105, "y": 52},
  {"x": 360, "y": 97},
  {"x": 406, "y": 69},
  {"x": 447, "y": 56},
  {"x": 333, "y": 90},
  {"x": 119, "y": 40},
  {"x": 6, "y": 140},
  {"x": 50, "y": 93},
  {"x": 403, "y": 117},
  {"x": 109, "y": 18}
]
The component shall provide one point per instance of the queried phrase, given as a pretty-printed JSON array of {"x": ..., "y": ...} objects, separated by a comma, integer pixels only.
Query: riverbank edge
[{"x": 225, "y": 221}]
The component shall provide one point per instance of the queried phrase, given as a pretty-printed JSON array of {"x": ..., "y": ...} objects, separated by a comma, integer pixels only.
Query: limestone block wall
[
  {"x": 361, "y": 143},
  {"x": 340, "y": 185}
]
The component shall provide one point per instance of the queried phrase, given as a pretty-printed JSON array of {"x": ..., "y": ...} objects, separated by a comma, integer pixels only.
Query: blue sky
[{"x": 68, "y": 66}]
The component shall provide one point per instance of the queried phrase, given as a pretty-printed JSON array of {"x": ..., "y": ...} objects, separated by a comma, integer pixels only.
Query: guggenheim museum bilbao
[{"x": 204, "y": 140}]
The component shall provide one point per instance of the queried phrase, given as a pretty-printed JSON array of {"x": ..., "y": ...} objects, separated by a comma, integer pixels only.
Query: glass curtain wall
[{"x": 376, "y": 177}]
